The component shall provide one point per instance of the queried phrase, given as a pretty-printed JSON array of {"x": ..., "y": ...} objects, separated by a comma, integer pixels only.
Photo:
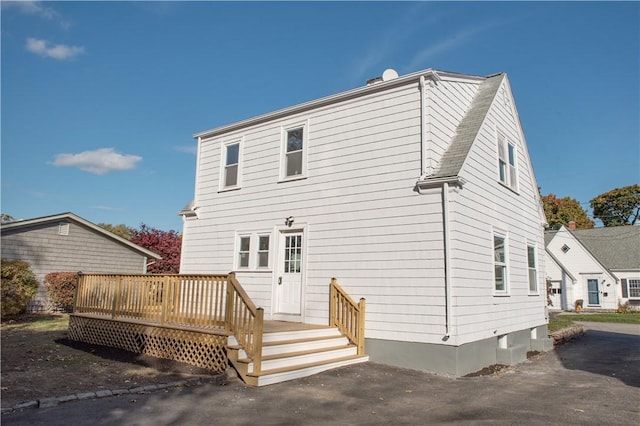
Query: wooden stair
[{"x": 292, "y": 354}]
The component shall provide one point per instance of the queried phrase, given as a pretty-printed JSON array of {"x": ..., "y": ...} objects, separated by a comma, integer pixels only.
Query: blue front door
[{"x": 594, "y": 292}]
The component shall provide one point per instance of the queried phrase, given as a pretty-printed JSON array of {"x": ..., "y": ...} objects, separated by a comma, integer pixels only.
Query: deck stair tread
[
  {"x": 301, "y": 340},
  {"x": 299, "y": 353},
  {"x": 308, "y": 365}
]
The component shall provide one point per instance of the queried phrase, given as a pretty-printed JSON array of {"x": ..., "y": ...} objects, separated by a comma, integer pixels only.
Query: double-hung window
[
  {"x": 294, "y": 147},
  {"x": 231, "y": 168},
  {"x": 244, "y": 251},
  {"x": 253, "y": 251},
  {"x": 507, "y": 171},
  {"x": 500, "y": 264},
  {"x": 531, "y": 265},
  {"x": 634, "y": 288}
]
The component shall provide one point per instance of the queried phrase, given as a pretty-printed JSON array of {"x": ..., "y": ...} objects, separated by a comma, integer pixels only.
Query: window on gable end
[{"x": 507, "y": 161}]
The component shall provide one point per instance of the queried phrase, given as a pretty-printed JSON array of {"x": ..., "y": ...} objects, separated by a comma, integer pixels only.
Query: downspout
[
  {"x": 423, "y": 127},
  {"x": 447, "y": 259}
]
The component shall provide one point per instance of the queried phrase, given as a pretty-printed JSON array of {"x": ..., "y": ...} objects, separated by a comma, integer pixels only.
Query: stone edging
[
  {"x": 566, "y": 334},
  {"x": 219, "y": 379}
]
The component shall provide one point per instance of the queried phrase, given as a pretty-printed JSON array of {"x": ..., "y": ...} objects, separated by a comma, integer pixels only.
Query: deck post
[
  {"x": 332, "y": 302},
  {"x": 361, "y": 308},
  {"x": 228, "y": 312},
  {"x": 257, "y": 340}
]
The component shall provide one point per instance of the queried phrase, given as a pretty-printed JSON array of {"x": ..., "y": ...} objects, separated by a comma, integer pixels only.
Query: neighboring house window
[
  {"x": 243, "y": 254},
  {"x": 63, "y": 229},
  {"x": 231, "y": 166},
  {"x": 263, "y": 251},
  {"x": 533, "y": 274},
  {"x": 507, "y": 162},
  {"x": 500, "y": 264},
  {"x": 634, "y": 288}
]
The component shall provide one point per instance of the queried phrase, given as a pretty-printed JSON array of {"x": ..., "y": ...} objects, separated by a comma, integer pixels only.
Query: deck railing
[
  {"x": 203, "y": 301},
  {"x": 347, "y": 315}
]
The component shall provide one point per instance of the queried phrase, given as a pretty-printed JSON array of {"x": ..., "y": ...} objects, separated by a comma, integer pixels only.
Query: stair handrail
[
  {"x": 347, "y": 315},
  {"x": 244, "y": 320}
]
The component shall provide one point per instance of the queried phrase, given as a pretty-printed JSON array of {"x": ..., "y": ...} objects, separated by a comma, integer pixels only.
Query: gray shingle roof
[
  {"x": 467, "y": 130},
  {"x": 616, "y": 247}
]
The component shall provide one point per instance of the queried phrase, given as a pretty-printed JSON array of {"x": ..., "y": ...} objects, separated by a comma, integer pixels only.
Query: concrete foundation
[{"x": 460, "y": 360}]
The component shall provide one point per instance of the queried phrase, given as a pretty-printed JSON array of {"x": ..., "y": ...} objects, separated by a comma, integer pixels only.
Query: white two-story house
[{"x": 416, "y": 192}]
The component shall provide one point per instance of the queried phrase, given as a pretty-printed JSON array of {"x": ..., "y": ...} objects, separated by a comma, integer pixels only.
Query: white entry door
[{"x": 290, "y": 268}]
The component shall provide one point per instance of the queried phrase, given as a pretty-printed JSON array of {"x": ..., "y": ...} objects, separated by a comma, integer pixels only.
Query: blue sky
[{"x": 100, "y": 100}]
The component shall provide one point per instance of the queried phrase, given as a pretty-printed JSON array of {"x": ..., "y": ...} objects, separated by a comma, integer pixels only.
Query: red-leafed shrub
[
  {"x": 165, "y": 243},
  {"x": 62, "y": 289},
  {"x": 19, "y": 284}
]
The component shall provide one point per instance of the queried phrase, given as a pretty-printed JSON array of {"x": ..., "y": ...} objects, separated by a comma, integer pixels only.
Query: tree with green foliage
[
  {"x": 620, "y": 206},
  {"x": 121, "y": 230},
  {"x": 561, "y": 211},
  {"x": 19, "y": 284}
]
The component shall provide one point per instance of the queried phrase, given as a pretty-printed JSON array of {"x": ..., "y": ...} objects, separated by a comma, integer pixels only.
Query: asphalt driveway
[{"x": 593, "y": 380}]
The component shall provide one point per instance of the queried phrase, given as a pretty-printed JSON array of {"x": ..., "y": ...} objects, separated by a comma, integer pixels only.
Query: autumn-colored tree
[
  {"x": 121, "y": 230},
  {"x": 620, "y": 206},
  {"x": 6, "y": 218},
  {"x": 561, "y": 211},
  {"x": 166, "y": 243}
]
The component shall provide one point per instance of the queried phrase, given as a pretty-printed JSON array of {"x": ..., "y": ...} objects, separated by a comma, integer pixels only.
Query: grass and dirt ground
[{"x": 38, "y": 361}]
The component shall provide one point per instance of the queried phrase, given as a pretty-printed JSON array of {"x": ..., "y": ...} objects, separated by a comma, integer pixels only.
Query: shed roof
[
  {"x": 20, "y": 224},
  {"x": 468, "y": 129}
]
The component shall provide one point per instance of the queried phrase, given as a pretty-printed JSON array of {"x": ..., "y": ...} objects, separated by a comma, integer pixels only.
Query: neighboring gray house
[
  {"x": 68, "y": 243},
  {"x": 600, "y": 266}
]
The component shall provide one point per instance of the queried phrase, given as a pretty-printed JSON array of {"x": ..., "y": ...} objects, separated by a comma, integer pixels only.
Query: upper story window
[
  {"x": 500, "y": 264},
  {"x": 507, "y": 162},
  {"x": 533, "y": 273},
  {"x": 231, "y": 167},
  {"x": 294, "y": 151}
]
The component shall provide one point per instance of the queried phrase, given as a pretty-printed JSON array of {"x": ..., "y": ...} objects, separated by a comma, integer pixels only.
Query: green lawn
[{"x": 565, "y": 320}]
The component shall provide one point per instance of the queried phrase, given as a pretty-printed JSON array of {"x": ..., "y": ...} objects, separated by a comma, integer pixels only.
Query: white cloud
[
  {"x": 107, "y": 208},
  {"x": 98, "y": 162},
  {"x": 452, "y": 42},
  {"x": 37, "y": 8},
  {"x": 59, "y": 51},
  {"x": 187, "y": 149}
]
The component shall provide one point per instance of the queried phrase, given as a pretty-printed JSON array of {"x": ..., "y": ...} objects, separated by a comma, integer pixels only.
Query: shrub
[
  {"x": 624, "y": 308},
  {"x": 62, "y": 289},
  {"x": 19, "y": 284}
]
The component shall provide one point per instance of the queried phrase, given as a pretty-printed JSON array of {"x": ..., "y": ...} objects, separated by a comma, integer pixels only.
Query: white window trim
[
  {"x": 535, "y": 292},
  {"x": 236, "y": 251},
  {"x": 269, "y": 250},
  {"x": 503, "y": 143},
  {"x": 507, "y": 281},
  {"x": 254, "y": 241},
  {"x": 629, "y": 297},
  {"x": 283, "y": 150},
  {"x": 223, "y": 163}
]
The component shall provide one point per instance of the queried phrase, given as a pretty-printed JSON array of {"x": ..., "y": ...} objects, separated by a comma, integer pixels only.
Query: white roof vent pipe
[{"x": 388, "y": 74}]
